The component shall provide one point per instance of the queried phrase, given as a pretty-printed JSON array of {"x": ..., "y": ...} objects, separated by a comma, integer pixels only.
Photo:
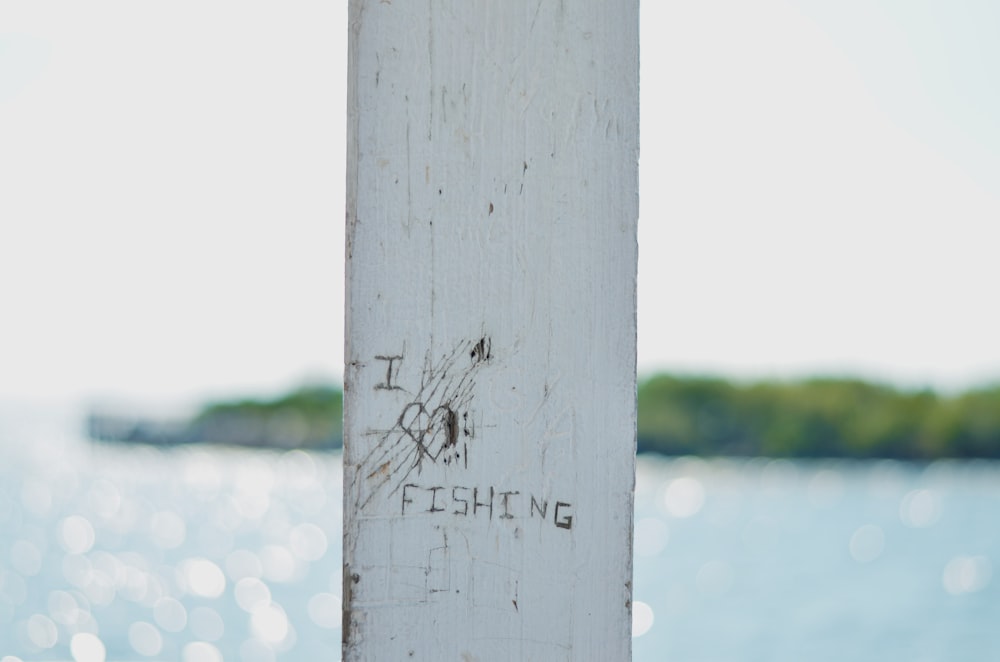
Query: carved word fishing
[{"x": 489, "y": 503}]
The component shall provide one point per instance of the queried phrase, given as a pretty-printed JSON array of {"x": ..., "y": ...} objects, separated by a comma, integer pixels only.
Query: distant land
[
  {"x": 309, "y": 417},
  {"x": 678, "y": 415},
  {"x": 815, "y": 418}
]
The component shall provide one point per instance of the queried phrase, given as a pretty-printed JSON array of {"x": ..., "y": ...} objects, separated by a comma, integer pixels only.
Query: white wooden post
[{"x": 490, "y": 377}]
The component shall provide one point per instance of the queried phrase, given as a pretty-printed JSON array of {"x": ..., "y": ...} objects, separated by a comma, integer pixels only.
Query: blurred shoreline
[
  {"x": 677, "y": 416},
  {"x": 309, "y": 417}
]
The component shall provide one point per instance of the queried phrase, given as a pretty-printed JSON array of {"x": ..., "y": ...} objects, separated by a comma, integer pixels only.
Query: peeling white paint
[{"x": 490, "y": 378}]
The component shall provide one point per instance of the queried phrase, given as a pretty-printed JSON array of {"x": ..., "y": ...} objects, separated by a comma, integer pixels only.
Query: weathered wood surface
[{"x": 490, "y": 378}]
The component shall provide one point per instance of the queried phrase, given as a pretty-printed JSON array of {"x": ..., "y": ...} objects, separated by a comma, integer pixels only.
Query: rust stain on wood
[{"x": 382, "y": 470}]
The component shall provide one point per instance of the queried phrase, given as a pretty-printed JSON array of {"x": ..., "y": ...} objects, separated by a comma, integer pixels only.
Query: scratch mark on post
[
  {"x": 441, "y": 572},
  {"x": 409, "y": 171},
  {"x": 430, "y": 62},
  {"x": 482, "y": 350},
  {"x": 534, "y": 19},
  {"x": 347, "y": 620}
]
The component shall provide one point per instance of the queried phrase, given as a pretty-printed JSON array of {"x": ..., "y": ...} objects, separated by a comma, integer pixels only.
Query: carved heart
[{"x": 431, "y": 432}]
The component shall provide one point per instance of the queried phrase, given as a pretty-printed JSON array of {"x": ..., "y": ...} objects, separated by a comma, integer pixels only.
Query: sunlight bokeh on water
[
  {"x": 206, "y": 553},
  {"x": 821, "y": 560},
  {"x": 191, "y": 553}
]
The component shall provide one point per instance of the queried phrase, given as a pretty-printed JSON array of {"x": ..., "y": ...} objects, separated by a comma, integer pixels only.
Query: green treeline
[
  {"x": 814, "y": 418},
  {"x": 700, "y": 416},
  {"x": 309, "y": 417}
]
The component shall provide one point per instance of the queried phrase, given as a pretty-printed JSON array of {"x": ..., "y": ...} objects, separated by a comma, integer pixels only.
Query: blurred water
[
  {"x": 195, "y": 554},
  {"x": 201, "y": 554},
  {"x": 788, "y": 561}
]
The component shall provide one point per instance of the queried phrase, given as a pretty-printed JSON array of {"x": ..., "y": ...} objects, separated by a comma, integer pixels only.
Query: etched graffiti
[
  {"x": 437, "y": 425},
  {"x": 485, "y": 503},
  {"x": 391, "y": 372}
]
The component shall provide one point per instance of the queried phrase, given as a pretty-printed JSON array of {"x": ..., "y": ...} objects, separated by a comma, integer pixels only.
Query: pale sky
[{"x": 820, "y": 193}]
